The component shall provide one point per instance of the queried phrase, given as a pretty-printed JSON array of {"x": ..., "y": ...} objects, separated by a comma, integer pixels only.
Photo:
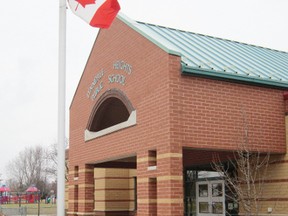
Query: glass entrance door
[{"x": 210, "y": 198}]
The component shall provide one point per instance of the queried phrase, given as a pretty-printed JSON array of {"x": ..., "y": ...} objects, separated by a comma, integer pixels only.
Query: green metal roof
[{"x": 204, "y": 55}]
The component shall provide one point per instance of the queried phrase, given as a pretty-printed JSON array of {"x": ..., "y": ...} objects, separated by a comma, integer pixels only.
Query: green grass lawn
[{"x": 32, "y": 209}]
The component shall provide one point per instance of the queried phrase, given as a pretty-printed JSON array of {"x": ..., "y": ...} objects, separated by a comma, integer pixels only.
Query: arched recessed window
[{"x": 112, "y": 112}]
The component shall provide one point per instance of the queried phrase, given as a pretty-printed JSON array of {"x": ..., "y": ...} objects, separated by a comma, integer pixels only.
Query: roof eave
[
  {"x": 187, "y": 70},
  {"x": 133, "y": 24}
]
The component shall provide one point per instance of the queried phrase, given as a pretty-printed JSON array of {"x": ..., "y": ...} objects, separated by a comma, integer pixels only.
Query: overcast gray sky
[{"x": 29, "y": 53}]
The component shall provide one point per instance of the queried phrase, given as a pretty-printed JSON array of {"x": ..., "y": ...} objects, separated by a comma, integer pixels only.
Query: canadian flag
[{"x": 97, "y": 13}]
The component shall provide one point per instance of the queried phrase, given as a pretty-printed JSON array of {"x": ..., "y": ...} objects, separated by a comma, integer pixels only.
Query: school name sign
[{"x": 120, "y": 78}]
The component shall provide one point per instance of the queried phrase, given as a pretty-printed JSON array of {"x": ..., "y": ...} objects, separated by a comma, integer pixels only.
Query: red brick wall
[
  {"x": 172, "y": 111},
  {"x": 203, "y": 113},
  {"x": 147, "y": 89},
  {"x": 213, "y": 114}
]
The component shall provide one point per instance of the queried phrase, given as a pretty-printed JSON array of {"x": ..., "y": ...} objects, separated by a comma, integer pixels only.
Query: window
[
  {"x": 76, "y": 172},
  {"x": 112, "y": 112}
]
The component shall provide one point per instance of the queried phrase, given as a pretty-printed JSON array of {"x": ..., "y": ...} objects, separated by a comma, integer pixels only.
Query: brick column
[
  {"x": 285, "y": 97},
  {"x": 276, "y": 185},
  {"x": 146, "y": 185},
  {"x": 72, "y": 192},
  {"x": 86, "y": 190},
  {"x": 170, "y": 183},
  {"x": 73, "y": 200},
  {"x": 160, "y": 183}
]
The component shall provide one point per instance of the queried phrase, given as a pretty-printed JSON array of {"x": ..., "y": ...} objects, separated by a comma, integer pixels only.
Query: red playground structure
[{"x": 31, "y": 195}]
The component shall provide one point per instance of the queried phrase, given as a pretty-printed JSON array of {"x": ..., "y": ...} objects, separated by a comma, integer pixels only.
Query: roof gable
[{"x": 215, "y": 57}]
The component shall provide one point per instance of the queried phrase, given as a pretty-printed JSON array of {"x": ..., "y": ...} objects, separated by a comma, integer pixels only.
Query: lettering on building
[
  {"x": 122, "y": 65},
  {"x": 117, "y": 78},
  {"x": 99, "y": 82},
  {"x": 97, "y": 90},
  {"x": 96, "y": 79}
]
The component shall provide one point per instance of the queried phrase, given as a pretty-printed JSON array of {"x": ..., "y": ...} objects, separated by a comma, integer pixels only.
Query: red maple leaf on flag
[{"x": 83, "y": 3}]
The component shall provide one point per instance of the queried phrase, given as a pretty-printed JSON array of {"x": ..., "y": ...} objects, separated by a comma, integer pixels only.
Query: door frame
[{"x": 210, "y": 199}]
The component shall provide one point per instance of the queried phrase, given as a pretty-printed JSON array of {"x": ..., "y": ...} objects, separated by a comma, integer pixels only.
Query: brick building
[{"x": 155, "y": 104}]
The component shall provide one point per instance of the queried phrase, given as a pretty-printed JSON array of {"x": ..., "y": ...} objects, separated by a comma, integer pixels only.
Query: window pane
[
  {"x": 217, "y": 208},
  {"x": 217, "y": 190},
  {"x": 203, "y": 190},
  {"x": 203, "y": 207}
]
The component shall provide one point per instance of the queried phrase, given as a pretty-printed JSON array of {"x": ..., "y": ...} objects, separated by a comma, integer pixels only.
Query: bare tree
[
  {"x": 34, "y": 165},
  {"x": 28, "y": 168},
  {"x": 245, "y": 176},
  {"x": 52, "y": 158},
  {"x": 246, "y": 172}
]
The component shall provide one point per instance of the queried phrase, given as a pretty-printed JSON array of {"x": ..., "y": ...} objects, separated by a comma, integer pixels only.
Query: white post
[{"x": 61, "y": 109}]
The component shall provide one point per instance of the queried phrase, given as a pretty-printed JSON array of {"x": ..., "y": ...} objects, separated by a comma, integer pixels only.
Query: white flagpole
[{"x": 61, "y": 109}]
